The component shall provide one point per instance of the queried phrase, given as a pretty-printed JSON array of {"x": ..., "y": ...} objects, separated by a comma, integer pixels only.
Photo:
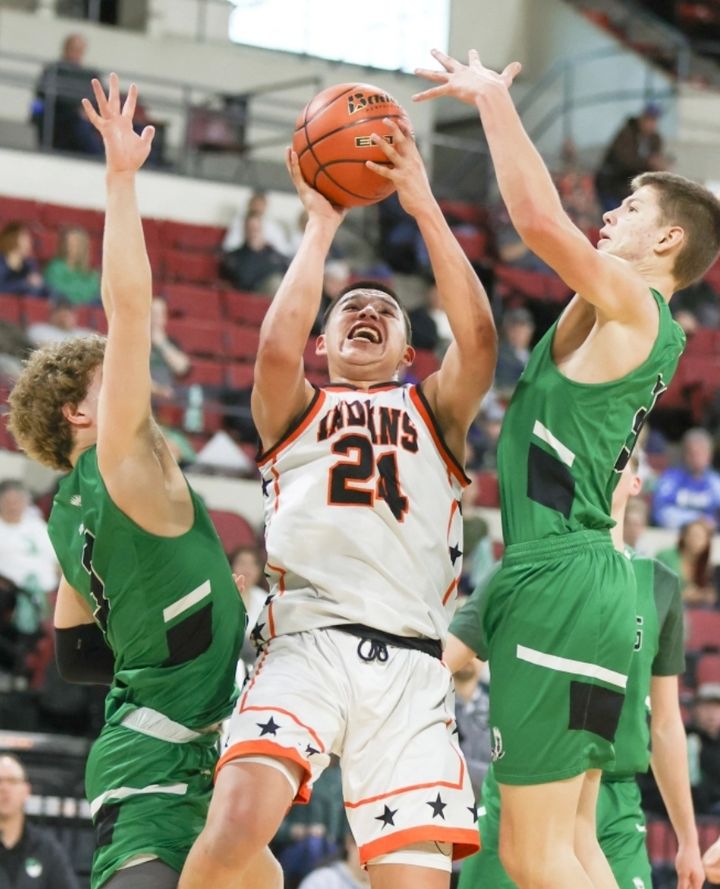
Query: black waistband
[{"x": 433, "y": 647}]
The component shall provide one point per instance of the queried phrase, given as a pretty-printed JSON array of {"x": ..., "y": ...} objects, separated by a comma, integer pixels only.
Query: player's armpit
[
  {"x": 277, "y": 403},
  {"x": 70, "y": 607}
]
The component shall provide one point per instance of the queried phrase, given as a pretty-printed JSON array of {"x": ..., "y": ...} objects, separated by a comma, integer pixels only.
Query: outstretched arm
[
  {"x": 124, "y": 407},
  {"x": 280, "y": 391},
  {"x": 530, "y": 196},
  {"x": 466, "y": 374},
  {"x": 670, "y": 767}
]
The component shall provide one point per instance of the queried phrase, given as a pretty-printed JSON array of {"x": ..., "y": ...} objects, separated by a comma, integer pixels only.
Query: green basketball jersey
[
  {"x": 563, "y": 444},
  {"x": 658, "y": 651},
  {"x": 168, "y": 606}
]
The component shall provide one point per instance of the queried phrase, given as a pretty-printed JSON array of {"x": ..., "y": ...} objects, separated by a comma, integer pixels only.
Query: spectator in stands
[
  {"x": 256, "y": 265},
  {"x": 60, "y": 325},
  {"x": 472, "y": 715},
  {"x": 704, "y": 749},
  {"x": 57, "y": 112},
  {"x": 69, "y": 273},
  {"x": 690, "y": 560},
  {"x": 636, "y": 522},
  {"x": 273, "y": 232},
  {"x": 19, "y": 271},
  {"x": 692, "y": 490},
  {"x": 516, "y": 336},
  {"x": 30, "y": 858},
  {"x": 636, "y": 148},
  {"x": 26, "y": 556},
  {"x": 345, "y": 874},
  {"x": 477, "y": 552},
  {"x": 246, "y": 562},
  {"x": 168, "y": 363}
]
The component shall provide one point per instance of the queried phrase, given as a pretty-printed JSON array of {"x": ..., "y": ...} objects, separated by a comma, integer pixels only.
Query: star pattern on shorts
[
  {"x": 387, "y": 817},
  {"x": 265, "y": 484},
  {"x": 438, "y": 807},
  {"x": 455, "y": 553},
  {"x": 268, "y": 728},
  {"x": 310, "y": 750},
  {"x": 256, "y": 634},
  {"x": 473, "y": 811},
  {"x": 269, "y": 599}
]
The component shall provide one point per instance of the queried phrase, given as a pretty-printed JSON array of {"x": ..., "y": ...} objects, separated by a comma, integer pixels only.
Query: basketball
[{"x": 332, "y": 142}]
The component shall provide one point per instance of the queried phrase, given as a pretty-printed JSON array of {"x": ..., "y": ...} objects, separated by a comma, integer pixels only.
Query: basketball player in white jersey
[{"x": 362, "y": 482}]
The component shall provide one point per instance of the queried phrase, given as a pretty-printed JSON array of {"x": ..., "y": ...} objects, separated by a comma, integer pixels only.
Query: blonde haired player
[{"x": 362, "y": 483}]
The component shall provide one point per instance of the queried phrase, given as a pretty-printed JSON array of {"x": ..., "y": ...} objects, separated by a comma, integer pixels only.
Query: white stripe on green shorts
[{"x": 567, "y": 665}]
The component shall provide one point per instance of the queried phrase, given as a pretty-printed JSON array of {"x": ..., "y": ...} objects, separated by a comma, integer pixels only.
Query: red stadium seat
[
  {"x": 313, "y": 362},
  {"x": 60, "y": 216},
  {"x": 245, "y": 308},
  {"x": 197, "y": 337},
  {"x": 708, "y": 669},
  {"x": 702, "y": 630},
  {"x": 474, "y": 243},
  {"x": 242, "y": 342},
  {"x": 462, "y": 211},
  {"x": 205, "y": 372},
  {"x": 10, "y": 308},
  {"x": 18, "y": 210},
  {"x": 198, "y": 268},
  {"x": 488, "y": 490},
  {"x": 425, "y": 363},
  {"x": 233, "y": 530},
  {"x": 34, "y": 309},
  {"x": 191, "y": 300},
  {"x": 46, "y": 241},
  {"x": 705, "y": 341},
  {"x": 240, "y": 375},
  {"x": 661, "y": 842},
  {"x": 183, "y": 235}
]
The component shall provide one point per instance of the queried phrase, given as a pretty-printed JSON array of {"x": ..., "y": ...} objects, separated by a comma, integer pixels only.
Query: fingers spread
[
  {"x": 448, "y": 63},
  {"x": 430, "y": 74},
  {"x": 130, "y": 102},
  {"x": 114, "y": 94},
  {"x": 100, "y": 97},
  {"x": 433, "y": 93},
  {"x": 511, "y": 71},
  {"x": 92, "y": 114}
]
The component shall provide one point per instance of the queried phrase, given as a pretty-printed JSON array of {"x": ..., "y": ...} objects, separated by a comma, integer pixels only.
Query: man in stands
[{"x": 692, "y": 490}]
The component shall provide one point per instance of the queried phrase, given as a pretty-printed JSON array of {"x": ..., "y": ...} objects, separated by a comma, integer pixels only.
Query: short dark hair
[
  {"x": 371, "y": 285},
  {"x": 697, "y": 211}
]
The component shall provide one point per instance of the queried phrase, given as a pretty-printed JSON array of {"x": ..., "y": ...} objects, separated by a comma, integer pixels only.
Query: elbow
[{"x": 534, "y": 225}]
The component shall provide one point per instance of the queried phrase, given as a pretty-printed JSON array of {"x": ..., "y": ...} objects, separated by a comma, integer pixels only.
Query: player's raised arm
[
  {"x": 280, "y": 391},
  {"x": 455, "y": 391},
  {"x": 529, "y": 194},
  {"x": 124, "y": 406}
]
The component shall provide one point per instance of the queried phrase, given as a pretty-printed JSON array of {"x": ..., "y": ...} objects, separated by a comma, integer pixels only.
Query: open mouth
[{"x": 366, "y": 332}]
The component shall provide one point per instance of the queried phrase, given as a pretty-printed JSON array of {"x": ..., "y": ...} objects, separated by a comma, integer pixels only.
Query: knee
[
  {"x": 236, "y": 829},
  {"x": 527, "y": 868}
]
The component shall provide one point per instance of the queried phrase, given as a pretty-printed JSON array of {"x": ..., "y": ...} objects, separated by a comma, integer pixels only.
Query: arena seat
[
  {"x": 34, "y": 309},
  {"x": 705, "y": 341},
  {"x": 19, "y": 210},
  {"x": 661, "y": 842},
  {"x": 233, "y": 530},
  {"x": 473, "y": 242},
  {"x": 313, "y": 362},
  {"x": 708, "y": 669},
  {"x": 425, "y": 363},
  {"x": 197, "y": 337},
  {"x": 240, "y": 375},
  {"x": 198, "y": 268},
  {"x": 200, "y": 238},
  {"x": 10, "y": 308},
  {"x": 245, "y": 308},
  {"x": 242, "y": 342},
  {"x": 45, "y": 242},
  {"x": 205, "y": 372},
  {"x": 192, "y": 300},
  {"x": 702, "y": 629},
  {"x": 60, "y": 216},
  {"x": 488, "y": 489}
]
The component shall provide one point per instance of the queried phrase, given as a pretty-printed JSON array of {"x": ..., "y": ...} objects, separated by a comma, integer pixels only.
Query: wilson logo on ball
[{"x": 358, "y": 101}]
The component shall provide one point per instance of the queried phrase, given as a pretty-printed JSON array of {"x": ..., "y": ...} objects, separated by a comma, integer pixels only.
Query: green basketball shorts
[{"x": 621, "y": 832}]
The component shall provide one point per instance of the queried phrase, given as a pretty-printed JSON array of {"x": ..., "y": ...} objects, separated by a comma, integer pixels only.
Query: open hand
[
  {"x": 315, "y": 204},
  {"x": 464, "y": 82},
  {"x": 125, "y": 150},
  {"x": 406, "y": 171}
]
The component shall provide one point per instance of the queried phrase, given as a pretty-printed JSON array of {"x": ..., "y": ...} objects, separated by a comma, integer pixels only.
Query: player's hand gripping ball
[{"x": 332, "y": 142}]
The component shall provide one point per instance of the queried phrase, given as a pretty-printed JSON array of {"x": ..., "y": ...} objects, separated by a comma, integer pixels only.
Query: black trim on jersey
[
  {"x": 594, "y": 708},
  {"x": 549, "y": 481},
  {"x": 390, "y": 383},
  {"x": 190, "y": 638},
  {"x": 439, "y": 433},
  {"x": 298, "y": 421},
  {"x": 433, "y": 647},
  {"x": 105, "y": 820}
]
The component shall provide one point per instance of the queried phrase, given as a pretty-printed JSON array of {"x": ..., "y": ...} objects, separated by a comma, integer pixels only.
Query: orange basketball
[{"x": 332, "y": 141}]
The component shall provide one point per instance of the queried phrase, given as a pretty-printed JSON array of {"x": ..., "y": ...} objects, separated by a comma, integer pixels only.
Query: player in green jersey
[
  {"x": 147, "y": 602},
  {"x": 657, "y": 661},
  {"x": 560, "y": 616}
]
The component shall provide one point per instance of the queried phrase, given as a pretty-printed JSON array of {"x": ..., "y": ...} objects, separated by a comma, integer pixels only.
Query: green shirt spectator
[{"x": 69, "y": 273}]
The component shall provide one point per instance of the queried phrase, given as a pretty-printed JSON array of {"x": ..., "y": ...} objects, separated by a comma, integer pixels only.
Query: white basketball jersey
[{"x": 362, "y": 516}]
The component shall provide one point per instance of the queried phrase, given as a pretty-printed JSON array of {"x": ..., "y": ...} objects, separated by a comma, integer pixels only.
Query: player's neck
[
  {"x": 351, "y": 380},
  {"x": 617, "y": 533},
  {"x": 658, "y": 279},
  {"x": 82, "y": 443}
]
